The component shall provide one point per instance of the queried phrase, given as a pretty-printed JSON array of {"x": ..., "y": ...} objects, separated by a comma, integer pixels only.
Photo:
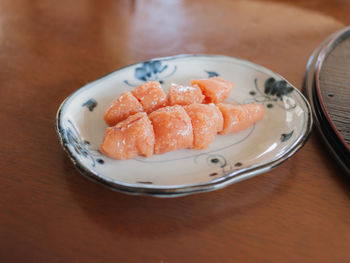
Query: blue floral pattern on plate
[
  {"x": 274, "y": 92},
  {"x": 80, "y": 146},
  {"x": 150, "y": 71}
]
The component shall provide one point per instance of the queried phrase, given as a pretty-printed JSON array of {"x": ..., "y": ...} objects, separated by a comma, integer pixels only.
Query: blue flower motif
[
  {"x": 212, "y": 73},
  {"x": 278, "y": 88},
  {"x": 286, "y": 136},
  {"x": 90, "y": 104},
  {"x": 150, "y": 71},
  {"x": 215, "y": 160},
  {"x": 79, "y": 145},
  {"x": 275, "y": 92}
]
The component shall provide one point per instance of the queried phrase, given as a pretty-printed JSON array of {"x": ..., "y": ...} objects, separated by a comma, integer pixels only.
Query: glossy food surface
[
  {"x": 121, "y": 108},
  {"x": 150, "y": 95},
  {"x": 205, "y": 123},
  {"x": 172, "y": 129},
  {"x": 184, "y": 95},
  {"x": 129, "y": 138},
  {"x": 215, "y": 89}
]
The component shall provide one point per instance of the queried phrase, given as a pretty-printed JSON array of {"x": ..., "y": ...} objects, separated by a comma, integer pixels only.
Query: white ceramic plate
[{"x": 229, "y": 159}]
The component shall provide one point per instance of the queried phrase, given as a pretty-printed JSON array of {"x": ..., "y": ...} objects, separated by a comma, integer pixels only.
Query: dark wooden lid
[
  {"x": 325, "y": 84},
  {"x": 333, "y": 85}
]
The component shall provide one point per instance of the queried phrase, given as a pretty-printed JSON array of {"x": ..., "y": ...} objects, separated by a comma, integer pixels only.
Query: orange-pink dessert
[
  {"x": 129, "y": 138},
  {"x": 215, "y": 89},
  {"x": 240, "y": 117},
  {"x": 150, "y": 95},
  {"x": 121, "y": 108},
  {"x": 220, "y": 118},
  {"x": 205, "y": 122},
  {"x": 172, "y": 129},
  {"x": 184, "y": 95}
]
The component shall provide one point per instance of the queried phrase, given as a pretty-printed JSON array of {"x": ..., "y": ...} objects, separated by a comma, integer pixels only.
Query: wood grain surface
[{"x": 298, "y": 212}]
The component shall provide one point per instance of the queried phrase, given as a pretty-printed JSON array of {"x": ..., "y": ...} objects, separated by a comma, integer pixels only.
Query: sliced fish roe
[
  {"x": 150, "y": 95},
  {"x": 184, "y": 95},
  {"x": 215, "y": 89},
  {"x": 240, "y": 117},
  {"x": 129, "y": 138},
  {"x": 205, "y": 122},
  {"x": 121, "y": 108},
  {"x": 220, "y": 118},
  {"x": 172, "y": 129}
]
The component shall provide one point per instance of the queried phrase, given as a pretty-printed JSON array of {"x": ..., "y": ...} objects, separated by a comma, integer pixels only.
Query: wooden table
[{"x": 299, "y": 212}]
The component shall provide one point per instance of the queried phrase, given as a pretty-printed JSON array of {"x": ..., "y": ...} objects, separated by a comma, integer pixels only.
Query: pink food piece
[
  {"x": 121, "y": 108},
  {"x": 172, "y": 129},
  {"x": 184, "y": 95},
  {"x": 205, "y": 121},
  {"x": 215, "y": 89},
  {"x": 220, "y": 118},
  {"x": 129, "y": 138},
  {"x": 150, "y": 95},
  {"x": 240, "y": 117}
]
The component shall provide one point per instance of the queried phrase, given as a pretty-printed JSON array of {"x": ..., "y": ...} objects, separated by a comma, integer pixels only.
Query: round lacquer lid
[{"x": 327, "y": 84}]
